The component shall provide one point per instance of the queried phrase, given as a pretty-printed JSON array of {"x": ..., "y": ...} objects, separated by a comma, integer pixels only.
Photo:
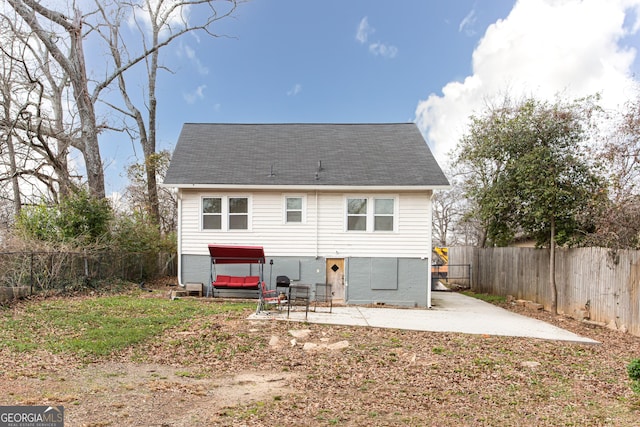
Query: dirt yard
[{"x": 227, "y": 370}]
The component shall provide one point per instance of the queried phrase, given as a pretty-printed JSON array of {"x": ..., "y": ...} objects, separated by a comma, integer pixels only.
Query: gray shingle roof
[{"x": 383, "y": 154}]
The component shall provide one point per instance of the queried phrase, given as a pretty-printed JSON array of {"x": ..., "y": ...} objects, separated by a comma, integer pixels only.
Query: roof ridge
[{"x": 302, "y": 123}]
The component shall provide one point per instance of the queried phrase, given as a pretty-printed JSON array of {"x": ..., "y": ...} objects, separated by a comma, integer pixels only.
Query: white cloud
[
  {"x": 381, "y": 49},
  {"x": 196, "y": 95},
  {"x": 543, "y": 48},
  {"x": 174, "y": 17},
  {"x": 467, "y": 23},
  {"x": 188, "y": 52},
  {"x": 296, "y": 89},
  {"x": 364, "y": 30},
  {"x": 376, "y": 48}
]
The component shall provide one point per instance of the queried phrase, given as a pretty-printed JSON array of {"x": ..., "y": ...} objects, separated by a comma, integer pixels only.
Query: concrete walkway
[{"x": 451, "y": 312}]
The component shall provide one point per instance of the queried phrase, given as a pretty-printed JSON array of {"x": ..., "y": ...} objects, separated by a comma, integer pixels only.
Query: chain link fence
[{"x": 32, "y": 272}]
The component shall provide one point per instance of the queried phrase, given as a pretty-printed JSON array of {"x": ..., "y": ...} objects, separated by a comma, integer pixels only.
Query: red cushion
[
  {"x": 253, "y": 280},
  {"x": 235, "y": 280}
]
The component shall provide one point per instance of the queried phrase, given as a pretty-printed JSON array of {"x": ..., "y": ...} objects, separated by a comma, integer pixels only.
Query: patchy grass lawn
[
  {"x": 95, "y": 327},
  {"x": 141, "y": 359}
]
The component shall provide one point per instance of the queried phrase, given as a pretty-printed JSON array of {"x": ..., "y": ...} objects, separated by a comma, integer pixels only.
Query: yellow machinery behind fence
[{"x": 440, "y": 266}]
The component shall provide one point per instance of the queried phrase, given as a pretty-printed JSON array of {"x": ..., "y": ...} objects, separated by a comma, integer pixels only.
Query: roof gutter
[{"x": 282, "y": 187}]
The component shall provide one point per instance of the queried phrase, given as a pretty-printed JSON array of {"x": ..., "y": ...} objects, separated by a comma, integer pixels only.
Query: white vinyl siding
[{"x": 323, "y": 231}]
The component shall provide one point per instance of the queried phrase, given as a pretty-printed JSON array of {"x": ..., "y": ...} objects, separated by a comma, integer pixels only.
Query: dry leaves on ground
[{"x": 226, "y": 370}]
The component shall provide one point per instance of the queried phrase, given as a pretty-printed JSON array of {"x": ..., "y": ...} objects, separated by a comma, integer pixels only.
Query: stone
[
  {"x": 274, "y": 341},
  {"x": 309, "y": 346},
  {"x": 300, "y": 333},
  {"x": 338, "y": 345},
  {"x": 530, "y": 364},
  {"x": 533, "y": 306}
]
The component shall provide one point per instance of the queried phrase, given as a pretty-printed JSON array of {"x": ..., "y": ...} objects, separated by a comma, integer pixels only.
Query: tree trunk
[
  {"x": 74, "y": 66},
  {"x": 78, "y": 78},
  {"x": 13, "y": 169},
  {"x": 552, "y": 268},
  {"x": 150, "y": 147}
]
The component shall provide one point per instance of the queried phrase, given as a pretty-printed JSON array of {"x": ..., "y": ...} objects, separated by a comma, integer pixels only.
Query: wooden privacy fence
[{"x": 604, "y": 283}]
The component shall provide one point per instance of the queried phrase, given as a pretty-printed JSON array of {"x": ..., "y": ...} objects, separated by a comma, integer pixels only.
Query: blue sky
[{"x": 429, "y": 62}]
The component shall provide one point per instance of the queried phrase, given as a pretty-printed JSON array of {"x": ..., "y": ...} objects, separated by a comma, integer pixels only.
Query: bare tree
[
  {"x": 159, "y": 22},
  {"x": 135, "y": 194},
  {"x": 33, "y": 117},
  {"x": 452, "y": 222},
  {"x": 72, "y": 61},
  {"x": 617, "y": 219}
]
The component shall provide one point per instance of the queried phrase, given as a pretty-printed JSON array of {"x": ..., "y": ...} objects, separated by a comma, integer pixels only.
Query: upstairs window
[
  {"x": 293, "y": 207},
  {"x": 212, "y": 213},
  {"x": 383, "y": 215},
  {"x": 238, "y": 213},
  {"x": 357, "y": 214},
  {"x": 225, "y": 213},
  {"x": 371, "y": 214}
]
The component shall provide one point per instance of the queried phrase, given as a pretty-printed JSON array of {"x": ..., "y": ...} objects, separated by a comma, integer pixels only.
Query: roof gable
[{"x": 303, "y": 154}]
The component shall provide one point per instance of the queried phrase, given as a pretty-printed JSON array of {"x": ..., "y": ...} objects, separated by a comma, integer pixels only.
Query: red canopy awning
[{"x": 236, "y": 254}]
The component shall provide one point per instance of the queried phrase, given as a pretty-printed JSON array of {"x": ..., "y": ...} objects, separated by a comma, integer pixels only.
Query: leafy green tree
[
  {"x": 80, "y": 219},
  {"x": 137, "y": 233},
  {"x": 527, "y": 172},
  {"x": 84, "y": 217}
]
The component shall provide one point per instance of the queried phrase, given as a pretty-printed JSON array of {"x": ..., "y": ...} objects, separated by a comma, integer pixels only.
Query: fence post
[{"x": 31, "y": 273}]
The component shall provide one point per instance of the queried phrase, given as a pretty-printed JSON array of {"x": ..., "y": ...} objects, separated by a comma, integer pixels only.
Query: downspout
[
  {"x": 179, "y": 239},
  {"x": 429, "y": 243},
  {"x": 317, "y": 227}
]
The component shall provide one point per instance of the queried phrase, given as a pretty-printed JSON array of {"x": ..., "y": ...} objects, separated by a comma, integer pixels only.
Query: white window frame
[
  {"x": 225, "y": 212},
  {"x": 375, "y": 215},
  {"x": 286, "y": 210},
  {"x": 371, "y": 215},
  {"x": 348, "y": 215},
  {"x": 204, "y": 214},
  {"x": 237, "y": 214}
]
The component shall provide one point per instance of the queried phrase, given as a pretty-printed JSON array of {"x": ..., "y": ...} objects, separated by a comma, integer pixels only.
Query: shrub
[{"x": 80, "y": 219}]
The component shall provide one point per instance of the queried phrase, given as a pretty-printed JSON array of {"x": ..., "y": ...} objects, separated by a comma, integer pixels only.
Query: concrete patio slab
[{"x": 451, "y": 312}]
